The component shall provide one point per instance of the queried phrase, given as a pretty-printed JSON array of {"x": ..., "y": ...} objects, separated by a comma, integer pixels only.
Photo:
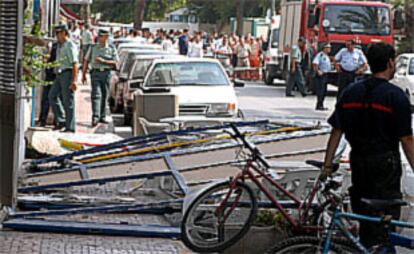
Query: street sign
[{"x": 76, "y": 1}]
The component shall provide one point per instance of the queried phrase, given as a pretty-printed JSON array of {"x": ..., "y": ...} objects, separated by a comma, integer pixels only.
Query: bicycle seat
[
  {"x": 319, "y": 164},
  {"x": 380, "y": 204}
]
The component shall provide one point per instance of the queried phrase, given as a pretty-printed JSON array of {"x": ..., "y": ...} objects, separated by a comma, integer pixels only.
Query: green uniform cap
[
  {"x": 60, "y": 28},
  {"x": 103, "y": 32}
]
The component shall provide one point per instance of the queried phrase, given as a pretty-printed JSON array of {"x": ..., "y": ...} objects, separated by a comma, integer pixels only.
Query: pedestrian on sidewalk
[
  {"x": 322, "y": 66},
  {"x": 254, "y": 58},
  {"x": 183, "y": 42},
  {"x": 223, "y": 53},
  {"x": 86, "y": 41},
  {"x": 233, "y": 43},
  {"x": 65, "y": 83},
  {"x": 196, "y": 47},
  {"x": 375, "y": 117},
  {"x": 103, "y": 58},
  {"x": 350, "y": 62},
  {"x": 50, "y": 77},
  {"x": 243, "y": 51},
  {"x": 295, "y": 73}
]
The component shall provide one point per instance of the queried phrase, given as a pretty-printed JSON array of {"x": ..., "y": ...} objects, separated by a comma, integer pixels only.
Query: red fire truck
[{"x": 334, "y": 21}]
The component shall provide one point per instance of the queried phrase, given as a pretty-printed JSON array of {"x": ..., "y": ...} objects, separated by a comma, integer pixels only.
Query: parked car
[
  {"x": 120, "y": 77},
  {"x": 202, "y": 86},
  {"x": 404, "y": 76},
  {"x": 135, "y": 77},
  {"x": 136, "y": 45}
]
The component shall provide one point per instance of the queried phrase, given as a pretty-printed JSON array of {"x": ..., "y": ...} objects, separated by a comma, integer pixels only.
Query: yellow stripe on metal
[
  {"x": 70, "y": 145},
  {"x": 185, "y": 143}
]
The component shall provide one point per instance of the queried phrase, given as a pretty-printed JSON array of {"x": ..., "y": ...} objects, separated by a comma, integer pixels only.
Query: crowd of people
[{"x": 231, "y": 50}]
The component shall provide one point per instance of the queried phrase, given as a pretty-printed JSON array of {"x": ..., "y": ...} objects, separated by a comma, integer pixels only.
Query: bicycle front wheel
[
  {"x": 218, "y": 217},
  {"x": 305, "y": 245}
]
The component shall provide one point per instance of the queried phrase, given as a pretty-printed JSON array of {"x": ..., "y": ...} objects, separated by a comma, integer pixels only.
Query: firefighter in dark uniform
[
  {"x": 375, "y": 117},
  {"x": 103, "y": 58}
]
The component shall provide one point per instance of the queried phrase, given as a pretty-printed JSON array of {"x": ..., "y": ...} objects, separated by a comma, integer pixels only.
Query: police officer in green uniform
[
  {"x": 296, "y": 73},
  {"x": 65, "y": 83},
  {"x": 103, "y": 57}
]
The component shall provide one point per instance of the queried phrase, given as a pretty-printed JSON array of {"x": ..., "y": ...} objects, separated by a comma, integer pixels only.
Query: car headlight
[{"x": 218, "y": 109}]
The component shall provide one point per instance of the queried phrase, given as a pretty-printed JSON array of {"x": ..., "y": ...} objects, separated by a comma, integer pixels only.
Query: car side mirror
[
  {"x": 401, "y": 72},
  {"x": 311, "y": 20},
  {"x": 135, "y": 84},
  {"x": 238, "y": 83}
]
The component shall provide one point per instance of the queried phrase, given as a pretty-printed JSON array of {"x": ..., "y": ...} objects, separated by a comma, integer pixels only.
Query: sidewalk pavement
[{"x": 84, "y": 113}]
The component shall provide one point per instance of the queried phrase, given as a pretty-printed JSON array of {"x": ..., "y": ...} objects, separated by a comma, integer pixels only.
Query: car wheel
[
  {"x": 240, "y": 114},
  {"x": 127, "y": 119},
  {"x": 267, "y": 78}
]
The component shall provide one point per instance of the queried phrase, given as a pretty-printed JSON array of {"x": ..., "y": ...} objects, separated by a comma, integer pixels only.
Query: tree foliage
[
  {"x": 216, "y": 11},
  {"x": 34, "y": 57},
  {"x": 209, "y": 11},
  {"x": 124, "y": 11}
]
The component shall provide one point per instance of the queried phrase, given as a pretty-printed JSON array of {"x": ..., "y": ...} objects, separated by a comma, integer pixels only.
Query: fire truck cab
[{"x": 334, "y": 21}]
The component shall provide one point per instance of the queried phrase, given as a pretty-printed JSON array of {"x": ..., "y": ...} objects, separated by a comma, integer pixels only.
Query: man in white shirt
[
  {"x": 75, "y": 34},
  {"x": 196, "y": 47},
  {"x": 350, "y": 63},
  {"x": 224, "y": 52},
  {"x": 243, "y": 51}
]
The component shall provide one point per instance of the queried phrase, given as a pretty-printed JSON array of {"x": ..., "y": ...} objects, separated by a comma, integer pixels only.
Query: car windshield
[
  {"x": 356, "y": 19},
  {"x": 141, "y": 68},
  {"x": 130, "y": 58},
  {"x": 411, "y": 68},
  {"x": 188, "y": 73}
]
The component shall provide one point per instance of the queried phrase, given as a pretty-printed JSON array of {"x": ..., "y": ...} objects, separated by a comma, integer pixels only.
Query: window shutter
[{"x": 9, "y": 18}]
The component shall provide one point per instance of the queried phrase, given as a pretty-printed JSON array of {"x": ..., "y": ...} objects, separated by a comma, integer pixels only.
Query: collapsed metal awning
[{"x": 169, "y": 166}]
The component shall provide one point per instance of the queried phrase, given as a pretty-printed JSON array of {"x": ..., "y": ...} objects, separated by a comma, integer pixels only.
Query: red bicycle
[{"x": 219, "y": 215}]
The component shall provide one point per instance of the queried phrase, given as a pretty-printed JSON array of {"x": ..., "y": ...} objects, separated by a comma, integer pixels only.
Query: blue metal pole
[{"x": 33, "y": 116}]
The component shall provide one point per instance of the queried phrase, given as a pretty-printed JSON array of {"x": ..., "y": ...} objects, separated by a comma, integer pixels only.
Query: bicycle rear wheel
[
  {"x": 218, "y": 217},
  {"x": 307, "y": 245}
]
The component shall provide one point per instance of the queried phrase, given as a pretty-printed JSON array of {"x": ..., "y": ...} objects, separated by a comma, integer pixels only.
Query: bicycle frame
[
  {"x": 249, "y": 171},
  {"x": 395, "y": 238}
]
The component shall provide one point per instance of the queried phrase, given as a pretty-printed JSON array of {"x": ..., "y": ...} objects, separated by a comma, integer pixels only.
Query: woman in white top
[{"x": 196, "y": 47}]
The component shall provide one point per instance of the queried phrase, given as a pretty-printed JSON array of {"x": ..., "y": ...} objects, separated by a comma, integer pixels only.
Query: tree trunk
[
  {"x": 85, "y": 13},
  {"x": 240, "y": 16},
  {"x": 409, "y": 21},
  {"x": 139, "y": 14}
]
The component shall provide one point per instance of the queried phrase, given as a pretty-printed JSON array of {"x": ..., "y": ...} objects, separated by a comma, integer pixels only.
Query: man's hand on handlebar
[{"x": 325, "y": 172}]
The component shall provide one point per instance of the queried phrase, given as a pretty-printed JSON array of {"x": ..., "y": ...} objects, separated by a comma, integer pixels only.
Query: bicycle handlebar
[{"x": 253, "y": 149}]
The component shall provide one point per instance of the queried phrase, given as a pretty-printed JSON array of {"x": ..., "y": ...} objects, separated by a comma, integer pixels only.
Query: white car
[
  {"x": 404, "y": 75},
  {"x": 202, "y": 86}
]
